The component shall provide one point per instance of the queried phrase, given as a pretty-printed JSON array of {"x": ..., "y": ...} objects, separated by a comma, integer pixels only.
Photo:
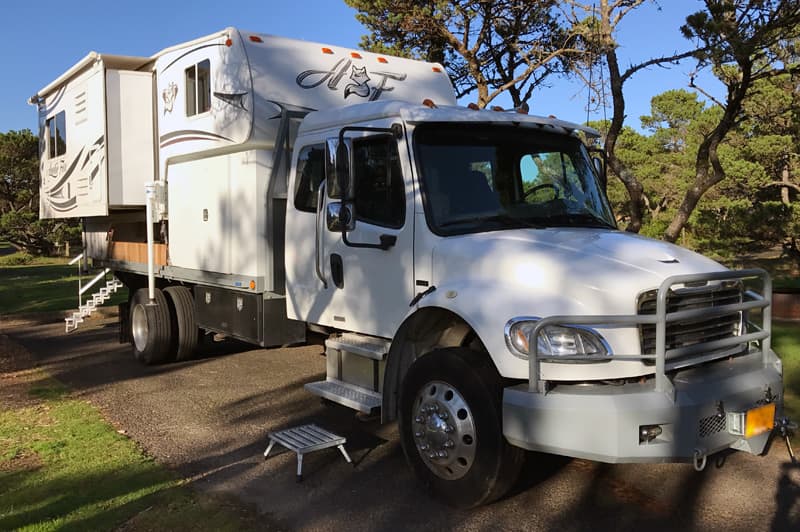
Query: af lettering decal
[{"x": 357, "y": 83}]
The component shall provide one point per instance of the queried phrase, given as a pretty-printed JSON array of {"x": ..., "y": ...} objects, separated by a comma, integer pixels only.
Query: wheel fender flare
[{"x": 405, "y": 343}]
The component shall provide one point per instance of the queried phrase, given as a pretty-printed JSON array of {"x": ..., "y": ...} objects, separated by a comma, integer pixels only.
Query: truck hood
[{"x": 564, "y": 270}]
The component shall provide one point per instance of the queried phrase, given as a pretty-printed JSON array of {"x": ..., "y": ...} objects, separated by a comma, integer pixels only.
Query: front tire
[
  {"x": 150, "y": 327},
  {"x": 451, "y": 428}
]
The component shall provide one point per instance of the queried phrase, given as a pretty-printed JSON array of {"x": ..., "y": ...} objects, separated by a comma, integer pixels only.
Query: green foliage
[
  {"x": 487, "y": 47},
  {"x": 19, "y": 197},
  {"x": 16, "y": 259}
]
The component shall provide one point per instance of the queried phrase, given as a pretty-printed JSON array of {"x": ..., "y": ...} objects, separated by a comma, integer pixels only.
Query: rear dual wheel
[
  {"x": 151, "y": 333},
  {"x": 184, "y": 327},
  {"x": 164, "y": 329}
]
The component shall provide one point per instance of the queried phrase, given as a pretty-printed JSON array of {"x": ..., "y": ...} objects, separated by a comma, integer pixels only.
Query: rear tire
[
  {"x": 150, "y": 327},
  {"x": 451, "y": 428},
  {"x": 184, "y": 326}
]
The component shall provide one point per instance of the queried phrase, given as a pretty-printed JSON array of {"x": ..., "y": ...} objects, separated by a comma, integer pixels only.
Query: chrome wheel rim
[
  {"x": 139, "y": 329},
  {"x": 444, "y": 430}
]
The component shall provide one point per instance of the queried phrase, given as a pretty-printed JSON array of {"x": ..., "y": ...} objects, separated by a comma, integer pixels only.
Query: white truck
[{"x": 465, "y": 263}]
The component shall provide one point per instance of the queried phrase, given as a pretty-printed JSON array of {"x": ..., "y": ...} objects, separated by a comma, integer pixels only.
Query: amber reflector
[
  {"x": 252, "y": 285},
  {"x": 229, "y": 43}
]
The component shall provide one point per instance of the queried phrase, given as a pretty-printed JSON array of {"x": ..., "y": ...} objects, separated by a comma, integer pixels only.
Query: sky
[{"x": 44, "y": 38}]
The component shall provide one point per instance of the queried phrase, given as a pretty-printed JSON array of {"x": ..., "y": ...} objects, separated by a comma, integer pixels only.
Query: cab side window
[
  {"x": 380, "y": 196},
  {"x": 310, "y": 173}
]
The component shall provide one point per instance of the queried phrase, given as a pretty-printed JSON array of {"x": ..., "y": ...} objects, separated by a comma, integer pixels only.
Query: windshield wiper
[{"x": 504, "y": 219}]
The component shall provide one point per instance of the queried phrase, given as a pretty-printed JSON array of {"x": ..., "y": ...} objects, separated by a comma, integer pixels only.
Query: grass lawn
[
  {"x": 63, "y": 468},
  {"x": 45, "y": 284}
]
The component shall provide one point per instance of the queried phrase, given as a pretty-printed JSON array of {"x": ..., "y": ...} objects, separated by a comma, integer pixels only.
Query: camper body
[{"x": 465, "y": 264}]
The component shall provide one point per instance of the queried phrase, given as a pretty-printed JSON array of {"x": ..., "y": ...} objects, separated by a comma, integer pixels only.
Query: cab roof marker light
[
  {"x": 473, "y": 106},
  {"x": 256, "y": 38},
  {"x": 355, "y": 55},
  {"x": 427, "y": 102},
  {"x": 497, "y": 108},
  {"x": 228, "y": 43},
  {"x": 436, "y": 69},
  {"x": 523, "y": 109},
  {"x": 382, "y": 60},
  {"x": 327, "y": 51}
]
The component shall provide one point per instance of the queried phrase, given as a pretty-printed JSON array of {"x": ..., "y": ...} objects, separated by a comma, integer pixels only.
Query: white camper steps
[
  {"x": 355, "y": 365},
  {"x": 306, "y": 439},
  {"x": 93, "y": 302}
]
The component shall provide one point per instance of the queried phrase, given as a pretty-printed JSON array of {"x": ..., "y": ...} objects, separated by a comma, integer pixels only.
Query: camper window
[
  {"x": 57, "y": 130},
  {"x": 310, "y": 173},
  {"x": 198, "y": 88}
]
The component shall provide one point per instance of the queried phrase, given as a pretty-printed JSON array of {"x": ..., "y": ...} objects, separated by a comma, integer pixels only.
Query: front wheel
[{"x": 451, "y": 428}]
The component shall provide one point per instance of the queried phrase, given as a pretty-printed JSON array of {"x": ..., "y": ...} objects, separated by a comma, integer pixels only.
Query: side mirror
[
  {"x": 339, "y": 217},
  {"x": 338, "y": 169},
  {"x": 600, "y": 165}
]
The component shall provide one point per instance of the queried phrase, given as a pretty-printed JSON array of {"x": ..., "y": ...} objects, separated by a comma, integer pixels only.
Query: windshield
[{"x": 487, "y": 178}]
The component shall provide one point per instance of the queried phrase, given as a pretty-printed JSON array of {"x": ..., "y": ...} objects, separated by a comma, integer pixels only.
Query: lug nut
[
  {"x": 418, "y": 434},
  {"x": 449, "y": 429},
  {"x": 449, "y": 444},
  {"x": 432, "y": 456},
  {"x": 442, "y": 454},
  {"x": 419, "y": 419},
  {"x": 444, "y": 416},
  {"x": 424, "y": 447}
]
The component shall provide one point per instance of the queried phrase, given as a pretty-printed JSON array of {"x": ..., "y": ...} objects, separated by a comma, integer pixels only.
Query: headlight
[{"x": 554, "y": 340}]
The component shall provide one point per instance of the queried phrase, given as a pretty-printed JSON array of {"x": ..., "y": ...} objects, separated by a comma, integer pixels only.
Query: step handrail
[{"x": 94, "y": 281}]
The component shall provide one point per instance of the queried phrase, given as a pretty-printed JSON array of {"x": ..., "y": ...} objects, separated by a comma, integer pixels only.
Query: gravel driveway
[{"x": 208, "y": 419}]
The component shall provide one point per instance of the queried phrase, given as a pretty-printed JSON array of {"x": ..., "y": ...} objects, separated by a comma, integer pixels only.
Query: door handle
[{"x": 318, "y": 234}]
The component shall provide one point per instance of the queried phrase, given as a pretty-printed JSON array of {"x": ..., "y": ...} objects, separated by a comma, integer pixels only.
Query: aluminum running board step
[
  {"x": 354, "y": 365},
  {"x": 346, "y": 394},
  {"x": 92, "y": 303},
  {"x": 365, "y": 346}
]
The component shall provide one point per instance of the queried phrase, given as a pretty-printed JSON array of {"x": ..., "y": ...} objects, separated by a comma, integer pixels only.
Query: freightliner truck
[{"x": 464, "y": 264}]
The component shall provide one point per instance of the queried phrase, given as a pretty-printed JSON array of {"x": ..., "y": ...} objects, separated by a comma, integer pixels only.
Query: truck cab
[{"x": 469, "y": 269}]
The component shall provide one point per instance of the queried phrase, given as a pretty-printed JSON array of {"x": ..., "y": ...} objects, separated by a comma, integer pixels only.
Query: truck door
[{"x": 370, "y": 288}]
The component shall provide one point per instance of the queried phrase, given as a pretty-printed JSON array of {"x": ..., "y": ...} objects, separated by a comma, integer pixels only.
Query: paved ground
[{"x": 209, "y": 418}]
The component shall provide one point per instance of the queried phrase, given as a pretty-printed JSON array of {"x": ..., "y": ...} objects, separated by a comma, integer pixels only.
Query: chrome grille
[{"x": 695, "y": 332}]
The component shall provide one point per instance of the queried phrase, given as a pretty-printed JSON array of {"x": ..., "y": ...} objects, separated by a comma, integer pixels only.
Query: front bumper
[{"x": 602, "y": 422}]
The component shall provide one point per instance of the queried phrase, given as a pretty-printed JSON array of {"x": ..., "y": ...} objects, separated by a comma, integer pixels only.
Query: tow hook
[
  {"x": 786, "y": 429},
  {"x": 699, "y": 460}
]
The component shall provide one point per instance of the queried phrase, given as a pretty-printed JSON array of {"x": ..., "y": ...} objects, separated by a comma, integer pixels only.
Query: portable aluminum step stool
[{"x": 306, "y": 439}]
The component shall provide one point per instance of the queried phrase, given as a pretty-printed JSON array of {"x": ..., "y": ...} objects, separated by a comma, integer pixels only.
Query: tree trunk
[
  {"x": 632, "y": 185},
  {"x": 785, "y": 179}
]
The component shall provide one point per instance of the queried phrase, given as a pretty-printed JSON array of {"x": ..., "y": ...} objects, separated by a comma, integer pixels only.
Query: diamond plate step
[
  {"x": 365, "y": 346},
  {"x": 345, "y": 394}
]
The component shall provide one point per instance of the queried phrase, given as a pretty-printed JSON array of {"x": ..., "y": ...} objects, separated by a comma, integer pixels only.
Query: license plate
[{"x": 759, "y": 420}]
